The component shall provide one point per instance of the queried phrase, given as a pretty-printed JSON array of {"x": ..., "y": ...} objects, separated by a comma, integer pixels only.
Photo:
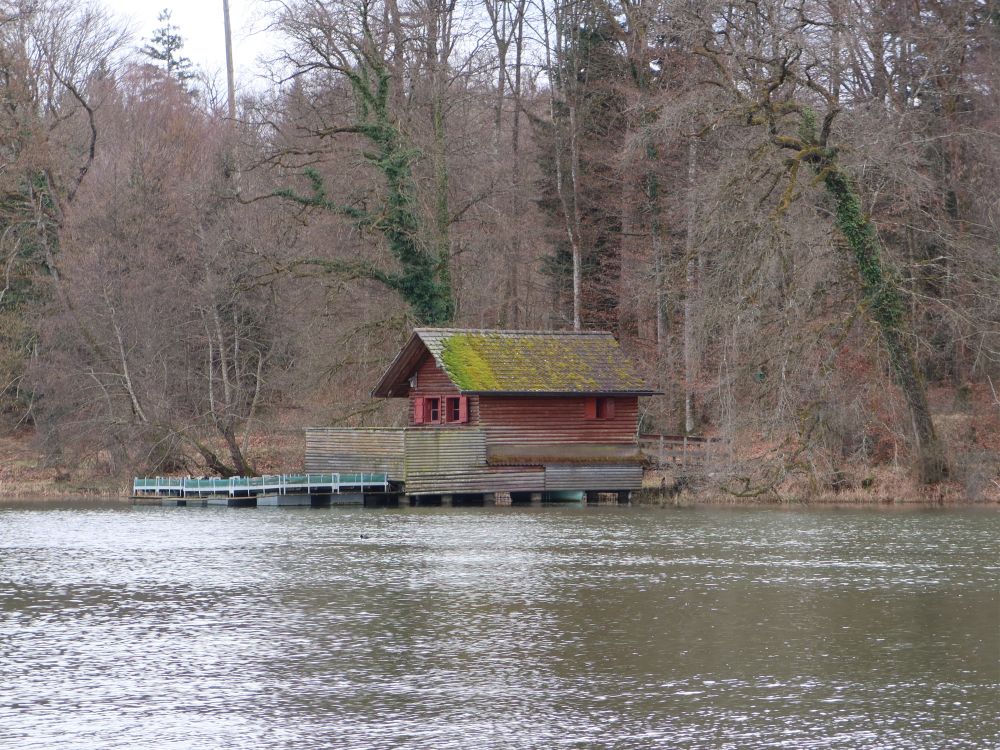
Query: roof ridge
[{"x": 513, "y": 331}]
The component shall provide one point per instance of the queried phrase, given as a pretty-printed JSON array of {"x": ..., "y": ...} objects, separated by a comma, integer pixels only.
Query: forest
[{"x": 787, "y": 211}]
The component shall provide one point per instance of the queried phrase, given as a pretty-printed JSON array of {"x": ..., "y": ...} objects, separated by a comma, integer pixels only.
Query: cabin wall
[
  {"x": 450, "y": 461},
  {"x": 590, "y": 477},
  {"x": 534, "y": 420},
  {"x": 330, "y": 450},
  {"x": 527, "y": 420},
  {"x": 477, "y": 480},
  {"x": 433, "y": 381},
  {"x": 443, "y": 451}
]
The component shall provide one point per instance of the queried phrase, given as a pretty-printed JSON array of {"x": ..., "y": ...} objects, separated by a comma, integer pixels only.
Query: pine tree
[
  {"x": 165, "y": 48},
  {"x": 587, "y": 116}
]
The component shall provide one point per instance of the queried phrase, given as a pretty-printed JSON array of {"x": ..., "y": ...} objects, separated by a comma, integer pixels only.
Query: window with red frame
[
  {"x": 456, "y": 409},
  {"x": 433, "y": 410},
  {"x": 441, "y": 410}
]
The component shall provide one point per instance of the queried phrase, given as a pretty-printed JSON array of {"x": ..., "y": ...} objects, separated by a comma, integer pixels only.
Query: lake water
[{"x": 498, "y": 628}]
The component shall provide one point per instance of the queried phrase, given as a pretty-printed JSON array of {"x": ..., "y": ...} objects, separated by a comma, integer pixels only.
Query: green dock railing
[{"x": 282, "y": 484}]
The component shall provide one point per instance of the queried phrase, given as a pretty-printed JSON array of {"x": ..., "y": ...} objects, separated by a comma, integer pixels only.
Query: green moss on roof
[
  {"x": 466, "y": 365},
  {"x": 484, "y": 361}
]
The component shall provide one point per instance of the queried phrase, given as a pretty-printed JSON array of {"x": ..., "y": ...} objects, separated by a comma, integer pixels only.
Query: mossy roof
[{"x": 529, "y": 362}]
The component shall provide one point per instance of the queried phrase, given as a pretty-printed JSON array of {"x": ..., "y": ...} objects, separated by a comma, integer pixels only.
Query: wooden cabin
[{"x": 520, "y": 412}]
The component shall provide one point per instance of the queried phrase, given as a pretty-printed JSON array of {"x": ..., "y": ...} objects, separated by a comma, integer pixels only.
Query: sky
[{"x": 200, "y": 23}]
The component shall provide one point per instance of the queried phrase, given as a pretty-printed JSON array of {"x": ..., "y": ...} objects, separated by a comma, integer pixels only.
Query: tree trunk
[
  {"x": 574, "y": 168},
  {"x": 213, "y": 462},
  {"x": 570, "y": 211},
  {"x": 438, "y": 46},
  {"x": 881, "y": 294},
  {"x": 517, "y": 191},
  {"x": 423, "y": 278},
  {"x": 243, "y": 467},
  {"x": 690, "y": 289}
]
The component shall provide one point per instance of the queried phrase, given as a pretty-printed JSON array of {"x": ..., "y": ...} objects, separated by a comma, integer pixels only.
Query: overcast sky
[{"x": 200, "y": 23}]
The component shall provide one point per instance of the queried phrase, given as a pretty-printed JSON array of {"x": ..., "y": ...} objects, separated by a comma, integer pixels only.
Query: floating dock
[{"x": 271, "y": 490}]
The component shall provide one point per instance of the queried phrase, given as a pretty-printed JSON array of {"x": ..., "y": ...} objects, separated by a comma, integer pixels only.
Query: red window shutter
[
  {"x": 609, "y": 408},
  {"x": 463, "y": 409},
  {"x": 418, "y": 410},
  {"x": 590, "y": 408}
]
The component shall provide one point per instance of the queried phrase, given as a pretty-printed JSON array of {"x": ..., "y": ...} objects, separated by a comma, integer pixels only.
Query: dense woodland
[{"x": 788, "y": 211}]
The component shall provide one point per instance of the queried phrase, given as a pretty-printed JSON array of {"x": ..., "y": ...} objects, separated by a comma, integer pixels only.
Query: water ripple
[{"x": 513, "y": 628}]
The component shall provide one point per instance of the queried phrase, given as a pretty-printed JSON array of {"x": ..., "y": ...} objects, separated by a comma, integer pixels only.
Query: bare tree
[
  {"x": 55, "y": 58},
  {"x": 773, "y": 79}
]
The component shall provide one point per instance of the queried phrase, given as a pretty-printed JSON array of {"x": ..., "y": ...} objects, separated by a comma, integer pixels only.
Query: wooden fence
[{"x": 684, "y": 452}]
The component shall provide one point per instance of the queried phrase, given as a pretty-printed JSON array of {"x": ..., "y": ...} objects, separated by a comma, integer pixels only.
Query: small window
[
  {"x": 456, "y": 409},
  {"x": 433, "y": 410},
  {"x": 599, "y": 408},
  {"x": 602, "y": 408}
]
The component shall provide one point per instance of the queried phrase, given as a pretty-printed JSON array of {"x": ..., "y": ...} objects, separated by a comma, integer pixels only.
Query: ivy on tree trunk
[
  {"x": 880, "y": 288},
  {"x": 423, "y": 276},
  {"x": 879, "y": 282}
]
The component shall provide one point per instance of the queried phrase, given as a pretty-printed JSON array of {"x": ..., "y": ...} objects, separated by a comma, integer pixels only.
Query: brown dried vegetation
[{"x": 659, "y": 168}]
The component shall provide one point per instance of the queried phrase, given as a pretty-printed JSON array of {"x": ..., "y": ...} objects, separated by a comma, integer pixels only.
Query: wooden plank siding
[
  {"x": 584, "y": 477},
  {"x": 429, "y": 451},
  {"x": 482, "y": 479},
  {"x": 449, "y": 461},
  {"x": 433, "y": 381},
  {"x": 534, "y": 420},
  {"x": 334, "y": 449}
]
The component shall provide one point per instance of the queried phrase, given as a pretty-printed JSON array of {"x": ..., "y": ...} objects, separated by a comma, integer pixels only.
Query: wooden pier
[{"x": 279, "y": 490}]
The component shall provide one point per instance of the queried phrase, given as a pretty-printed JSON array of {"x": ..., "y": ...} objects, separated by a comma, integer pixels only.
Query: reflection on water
[{"x": 506, "y": 628}]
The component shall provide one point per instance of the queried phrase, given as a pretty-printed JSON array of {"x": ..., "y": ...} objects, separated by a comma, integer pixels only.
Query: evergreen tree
[
  {"x": 165, "y": 48},
  {"x": 588, "y": 118}
]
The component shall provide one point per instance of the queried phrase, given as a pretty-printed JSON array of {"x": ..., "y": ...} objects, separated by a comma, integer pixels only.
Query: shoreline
[
  {"x": 945, "y": 496},
  {"x": 892, "y": 490},
  {"x": 65, "y": 497}
]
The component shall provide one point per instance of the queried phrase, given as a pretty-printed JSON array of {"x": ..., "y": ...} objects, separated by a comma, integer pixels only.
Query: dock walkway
[{"x": 276, "y": 484}]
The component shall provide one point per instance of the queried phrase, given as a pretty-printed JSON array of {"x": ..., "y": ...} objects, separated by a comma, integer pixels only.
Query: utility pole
[{"x": 229, "y": 61}]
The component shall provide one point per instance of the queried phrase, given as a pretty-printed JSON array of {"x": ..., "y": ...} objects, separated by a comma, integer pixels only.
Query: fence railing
[
  {"x": 248, "y": 486},
  {"x": 684, "y": 451}
]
